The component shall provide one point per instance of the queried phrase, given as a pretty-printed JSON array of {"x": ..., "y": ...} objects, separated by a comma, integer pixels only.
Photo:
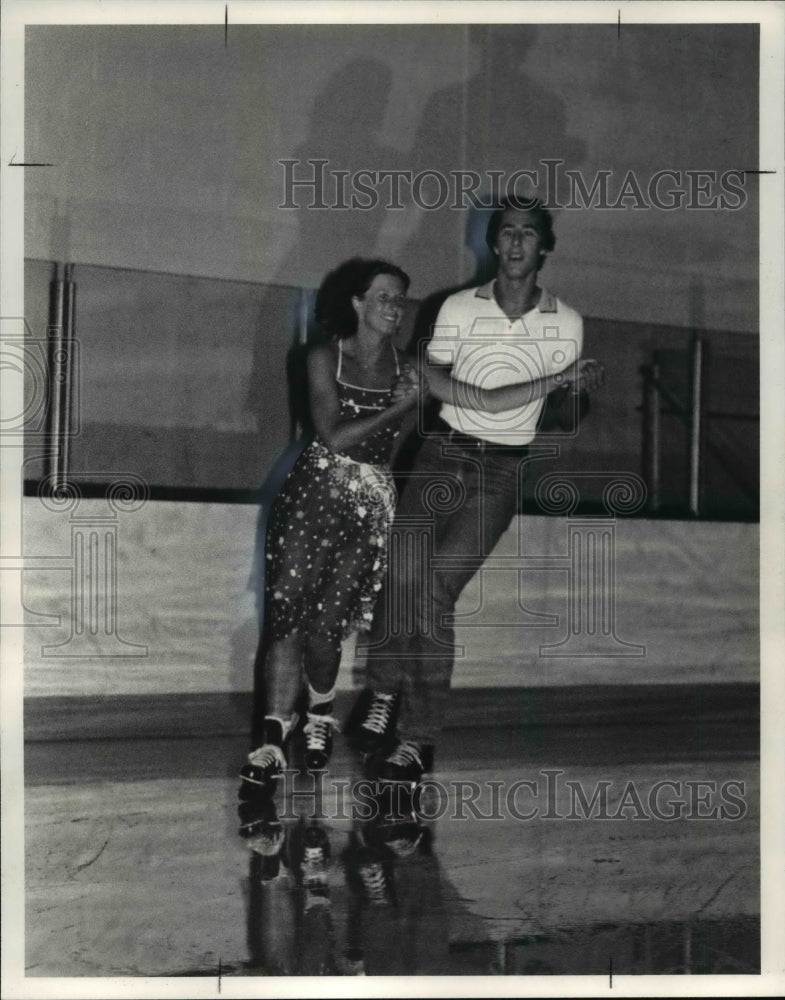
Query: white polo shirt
[{"x": 487, "y": 349}]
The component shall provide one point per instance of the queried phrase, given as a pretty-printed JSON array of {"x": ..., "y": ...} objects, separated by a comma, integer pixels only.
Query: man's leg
[
  {"x": 395, "y": 640},
  {"x": 458, "y": 531},
  {"x": 463, "y": 541}
]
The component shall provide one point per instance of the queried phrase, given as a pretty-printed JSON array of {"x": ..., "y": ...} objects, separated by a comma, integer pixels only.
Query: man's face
[{"x": 518, "y": 244}]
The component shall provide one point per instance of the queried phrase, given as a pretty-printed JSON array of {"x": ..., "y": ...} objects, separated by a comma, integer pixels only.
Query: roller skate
[
  {"x": 265, "y": 836},
  {"x": 373, "y": 722},
  {"x": 318, "y": 731},
  {"x": 404, "y": 764},
  {"x": 266, "y": 764}
]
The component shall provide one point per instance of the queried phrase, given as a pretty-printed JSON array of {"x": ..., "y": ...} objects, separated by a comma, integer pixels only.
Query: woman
[{"x": 327, "y": 531}]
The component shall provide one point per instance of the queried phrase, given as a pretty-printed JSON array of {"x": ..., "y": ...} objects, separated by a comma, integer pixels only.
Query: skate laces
[
  {"x": 313, "y": 856},
  {"x": 379, "y": 713},
  {"x": 314, "y": 864},
  {"x": 375, "y": 883},
  {"x": 405, "y": 754},
  {"x": 314, "y": 861},
  {"x": 266, "y": 756},
  {"x": 314, "y": 867},
  {"x": 318, "y": 729}
]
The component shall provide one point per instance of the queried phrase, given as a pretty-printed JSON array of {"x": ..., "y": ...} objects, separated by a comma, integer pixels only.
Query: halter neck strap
[{"x": 340, "y": 359}]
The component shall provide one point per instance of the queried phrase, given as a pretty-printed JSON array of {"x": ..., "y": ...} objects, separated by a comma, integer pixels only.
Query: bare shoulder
[
  {"x": 325, "y": 350},
  {"x": 322, "y": 356},
  {"x": 322, "y": 362}
]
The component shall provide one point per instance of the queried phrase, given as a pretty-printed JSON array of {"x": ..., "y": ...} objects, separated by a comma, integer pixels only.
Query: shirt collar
[{"x": 547, "y": 303}]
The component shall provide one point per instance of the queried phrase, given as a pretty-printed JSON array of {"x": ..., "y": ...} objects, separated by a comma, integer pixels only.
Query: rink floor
[{"x": 533, "y": 850}]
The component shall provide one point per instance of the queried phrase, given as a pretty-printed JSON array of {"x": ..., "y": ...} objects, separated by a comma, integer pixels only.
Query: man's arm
[
  {"x": 584, "y": 374},
  {"x": 437, "y": 364}
]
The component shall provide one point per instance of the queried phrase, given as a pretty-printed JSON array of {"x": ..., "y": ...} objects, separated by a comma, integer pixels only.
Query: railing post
[
  {"x": 652, "y": 406},
  {"x": 696, "y": 424},
  {"x": 69, "y": 327},
  {"x": 55, "y": 386},
  {"x": 62, "y": 307}
]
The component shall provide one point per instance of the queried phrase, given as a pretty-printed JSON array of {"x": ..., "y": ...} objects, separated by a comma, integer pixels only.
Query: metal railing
[
  {"x": 675, "y": 402},
  {"x": 705, "y": 436},
  {"x": 60, "y": 341}
]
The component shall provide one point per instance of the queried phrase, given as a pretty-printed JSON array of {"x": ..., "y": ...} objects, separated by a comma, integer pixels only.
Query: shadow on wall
[
  {"x": 475, "y": 126},
  {"x": 471, "y": 125},
  {"x": 343, "y": 127}
]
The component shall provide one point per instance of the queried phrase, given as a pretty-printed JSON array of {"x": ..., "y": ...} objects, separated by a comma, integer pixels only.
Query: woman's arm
[
  {"x": 339, "y": 434},
  {"x": 585, "y": 373}
]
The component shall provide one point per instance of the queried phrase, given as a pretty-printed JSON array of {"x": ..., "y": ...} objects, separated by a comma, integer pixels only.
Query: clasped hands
[
  {"x": 586, "y": 374},
  {"x": 406, "y": 385}
]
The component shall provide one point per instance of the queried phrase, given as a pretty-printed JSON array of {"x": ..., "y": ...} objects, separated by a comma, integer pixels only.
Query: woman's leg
[
  {"x": 322, "y": 658},
  {"x": 283, "y": 675},
  {"x": 282, "y": 680}
]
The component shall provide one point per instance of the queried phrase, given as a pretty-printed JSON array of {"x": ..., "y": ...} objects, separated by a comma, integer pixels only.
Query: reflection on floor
[{"x": 527, "y": 852}]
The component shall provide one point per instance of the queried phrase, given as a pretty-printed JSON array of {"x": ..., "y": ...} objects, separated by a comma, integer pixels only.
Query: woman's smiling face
[{"x": 381, "y": 308}]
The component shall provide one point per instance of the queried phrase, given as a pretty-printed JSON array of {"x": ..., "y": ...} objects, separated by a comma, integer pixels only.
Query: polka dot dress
[{"x": 326, "y": 551}]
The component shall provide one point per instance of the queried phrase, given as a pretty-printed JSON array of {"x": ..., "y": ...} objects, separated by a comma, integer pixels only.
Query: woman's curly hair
[{"x": 334, "y": 310}]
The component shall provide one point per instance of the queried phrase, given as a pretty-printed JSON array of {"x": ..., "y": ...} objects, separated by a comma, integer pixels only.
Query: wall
[
  {"x": 165, "y": 145},
  {"x": 186, "y": 611}
]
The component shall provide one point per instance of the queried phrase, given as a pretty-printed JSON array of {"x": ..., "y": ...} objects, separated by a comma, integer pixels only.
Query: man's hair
[{"x": 542, "y": 218}]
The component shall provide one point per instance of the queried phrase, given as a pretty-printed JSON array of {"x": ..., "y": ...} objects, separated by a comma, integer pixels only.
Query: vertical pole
[
  {"x": 56, "y": 383},
  {"x": 69, "y": 321},
  {"x": 652, "y": 410},
  {"x": 697, "y": 315},
  {"x": 696, "y": 424}
]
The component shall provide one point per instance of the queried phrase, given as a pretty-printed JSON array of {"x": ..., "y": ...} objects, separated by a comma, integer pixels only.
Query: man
[{"x": 496, "y": 353}]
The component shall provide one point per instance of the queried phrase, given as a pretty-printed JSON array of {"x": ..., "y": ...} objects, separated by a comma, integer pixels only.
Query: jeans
[{"x": 459, "y": 499}]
